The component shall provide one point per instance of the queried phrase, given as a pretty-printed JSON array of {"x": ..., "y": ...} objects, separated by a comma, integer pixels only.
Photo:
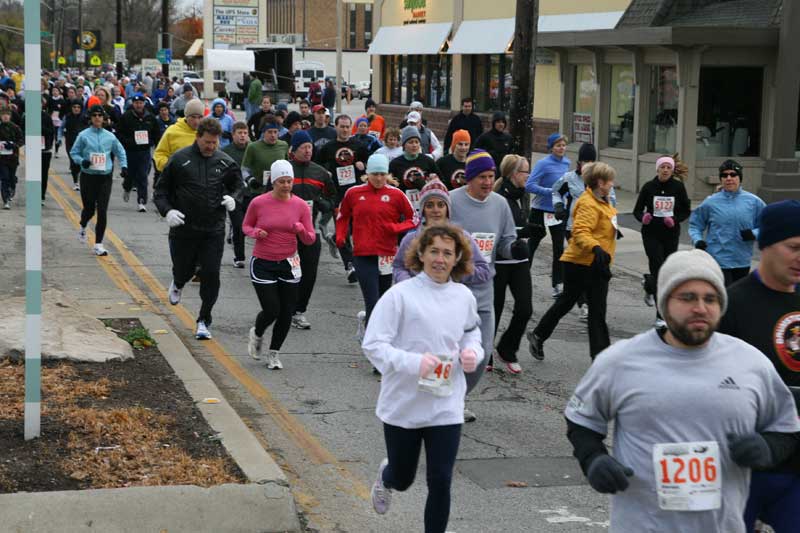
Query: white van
[{"x": 304, "y": 72}]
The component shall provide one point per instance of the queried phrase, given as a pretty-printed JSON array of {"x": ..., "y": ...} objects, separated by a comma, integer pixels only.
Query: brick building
[{"x": 313, "y": 23}]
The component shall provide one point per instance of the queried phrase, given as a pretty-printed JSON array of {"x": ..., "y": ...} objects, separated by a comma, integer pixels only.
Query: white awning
[
  {"x": 492, "y": 36},
  {"x": 230, "y": 60},
  {"x": 411, "y": 39},
  {"x": 196, "y": 49}
]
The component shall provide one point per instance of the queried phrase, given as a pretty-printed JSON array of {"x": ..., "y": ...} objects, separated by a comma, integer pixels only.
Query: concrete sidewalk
[{"x": 265, "y": 504}]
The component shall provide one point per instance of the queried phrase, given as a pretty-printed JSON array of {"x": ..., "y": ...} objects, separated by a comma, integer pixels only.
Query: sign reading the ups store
[
  {"x": 90, "y": 40},
  {"x": 416, "y": 9}
]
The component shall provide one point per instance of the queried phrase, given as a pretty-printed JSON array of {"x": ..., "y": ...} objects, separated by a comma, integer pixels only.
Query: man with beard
[{"x": 693, "y": 411}]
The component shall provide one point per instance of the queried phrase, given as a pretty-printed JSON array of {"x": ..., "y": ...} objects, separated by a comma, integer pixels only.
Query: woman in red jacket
[{"x": 379, "y": 213}]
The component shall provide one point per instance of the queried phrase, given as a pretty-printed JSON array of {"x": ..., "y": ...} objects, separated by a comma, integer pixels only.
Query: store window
[
  {"x": 729, "y": 112},
  {"x": 491, "y": 82},
  {"x": 423, "y": 78},
  {"x": 352, "y": 26},
  {"x": 621, "y": 98},
  {"x": 663, "y": 127},
  {"x": 367, "y": 24},
  {"x": 585, "y": 97}
]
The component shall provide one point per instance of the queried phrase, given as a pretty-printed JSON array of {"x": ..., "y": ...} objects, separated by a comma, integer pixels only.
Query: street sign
[
  {"x": 176, "y": 69},
  {"x": 119, "y": 52},
  {"x": 95, "y": 61},
  {"x": 80, "y": 56},
  {"x": 62, "y": 60},
  {"x": 150, "y": 65},
  {"x": 164, "y": 55}
]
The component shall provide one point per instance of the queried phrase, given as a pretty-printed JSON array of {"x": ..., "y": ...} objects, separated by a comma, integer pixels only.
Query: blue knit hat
[
  {"x": 478, "y": 161},
  {"x": 778, "y": 222},
  {"x": 300, "y": 137},
  {"x": 553, "y": 138},
  {"x": 377, "y": 163}
]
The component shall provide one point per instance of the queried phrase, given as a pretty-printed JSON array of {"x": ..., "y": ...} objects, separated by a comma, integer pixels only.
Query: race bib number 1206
[{"x": 688, "y": 476}]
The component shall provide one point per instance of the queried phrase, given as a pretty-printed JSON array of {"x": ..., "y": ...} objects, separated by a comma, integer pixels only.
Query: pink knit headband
[{"x": 665, "y": 159}]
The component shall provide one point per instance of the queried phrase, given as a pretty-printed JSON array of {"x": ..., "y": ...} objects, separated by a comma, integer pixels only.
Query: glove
[
  {"x": 747, "y": 235},
  {"x": 427, "y": 364},
  {"x": 254, "y": 183},
  {"x": 86, "y": 163},
  {"x": 647, "y": 218},
  {"x": 519, "y": 249},
  {"x": 524, "y": 232},
  {"x": 560, "y": 212},
  {"x": 10, "y": 145},
  {"x": 175, "y": 218},
  {"x": 469, "y": 360},
  {"x": 228, "y": 202},
  {"x": 750, "y": 451},
  {"x": 669, "y": 222},
  {"x": 601, "y": 258},
  {"x": 123, "y": 172},
  {"x": 701, "y": 245},
  {"x": 298, "y": 227},
  {"x": 607, "y": 475}
]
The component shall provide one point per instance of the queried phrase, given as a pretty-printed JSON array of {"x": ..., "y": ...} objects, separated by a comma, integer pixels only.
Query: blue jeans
[
  {"x": 441, "y": 447},
  {"x": 774, "y": 499},
  {"x": 372, "y": 283}
]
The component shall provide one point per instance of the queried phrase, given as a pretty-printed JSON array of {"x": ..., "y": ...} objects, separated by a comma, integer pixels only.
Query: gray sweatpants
[{"x": 487, "y": 340}]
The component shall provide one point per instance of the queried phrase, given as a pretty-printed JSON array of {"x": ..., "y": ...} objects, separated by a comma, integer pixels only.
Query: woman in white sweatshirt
[{"x": 422, "y": 360}]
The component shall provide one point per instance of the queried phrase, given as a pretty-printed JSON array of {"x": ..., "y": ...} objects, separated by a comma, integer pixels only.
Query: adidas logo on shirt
[
  {"x": 361, "y": 198},
  {"x": 728, "y": 383}
]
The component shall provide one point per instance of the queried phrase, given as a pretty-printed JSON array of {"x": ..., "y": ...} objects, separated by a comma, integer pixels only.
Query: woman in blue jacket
[
  {"x": 726, "y": 223},
  {"x": 540, "y": 182},
  {"x": 219, "y": 111}
]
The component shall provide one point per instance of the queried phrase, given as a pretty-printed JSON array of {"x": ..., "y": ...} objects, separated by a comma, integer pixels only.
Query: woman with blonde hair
[{"x": 586, "y": 262}]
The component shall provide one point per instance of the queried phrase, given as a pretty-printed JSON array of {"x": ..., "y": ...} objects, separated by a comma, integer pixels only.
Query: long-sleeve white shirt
[{"x": 413, "y": 317}]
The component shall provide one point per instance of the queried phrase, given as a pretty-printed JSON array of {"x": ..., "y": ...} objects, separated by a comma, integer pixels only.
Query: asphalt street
[{"x": 329, "y": 392}]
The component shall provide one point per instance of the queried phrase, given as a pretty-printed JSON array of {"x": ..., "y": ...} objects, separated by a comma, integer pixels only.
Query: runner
[
  {"x": 321, "y": 133},
  {"x": 423, "y": 360},
  {"x": 92, "y": 151},
  {"x": 764, "y": 311},
  {"x": 74, "y": 123},
  {"x": 236, "y": 150},
  {"x": 661, "y": 207},
  {"x": 198, "y": 185},
  {"x": 180, "y": 135},
  {"x": 726, "y": 223},
  {"x": 276, "y": 220},
  {"x": 138, "y": 132},
  {"x": 48, "y": 139},
  {"x": 693, "y": 411},
  {"x": 586, "y": 263},
  {"x": 255, "y": 121},
  {"x": 412, "y": 169},
  {"x": 376, "y": 123},
  {"x": 11, "y": 138},
  {"x": 451, "y": 166},
  {"x": 219, "y": 111},
  {"x": 378, "y": 213},
  {"x": 487, "y": 217},
  {"x": 497, "y": 141},
  {"x": 365, "y": 137},
  {"x": 545, "y": 172},
  {"x": 258, "y": 159},
  {"x": 391, "y": 144}
]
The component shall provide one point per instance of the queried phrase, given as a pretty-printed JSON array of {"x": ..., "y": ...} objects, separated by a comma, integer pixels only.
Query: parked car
[{"x": 363, "y": 89}]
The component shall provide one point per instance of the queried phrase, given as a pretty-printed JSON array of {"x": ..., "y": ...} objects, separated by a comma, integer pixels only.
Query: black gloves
[
  {"x": 519, "y": 249},
  {"x": 747, "y": 235},
  {"x": 602, "y": 262},
  {"x": 124, "y": 172},
  {"x": 10, "y": 145},
  {"x": 607, "y": 475},
  {"x": 560, "y": 212},
  {"x": 86, "y": 163},
  {"x": 701, "y": 245},
  {"x": 750, "y": 451}
]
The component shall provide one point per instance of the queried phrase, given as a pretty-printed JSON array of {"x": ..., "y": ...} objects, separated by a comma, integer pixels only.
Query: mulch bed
[{"x": 108, "y": 425}]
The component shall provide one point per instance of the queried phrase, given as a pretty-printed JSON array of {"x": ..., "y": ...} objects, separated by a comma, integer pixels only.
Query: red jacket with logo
[{"x": 378, "y": 216}]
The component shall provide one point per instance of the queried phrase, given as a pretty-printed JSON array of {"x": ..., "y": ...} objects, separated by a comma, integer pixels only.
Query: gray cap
[
  {"x": 688, "y": 265},
  {"x": 408, "y": 133}
]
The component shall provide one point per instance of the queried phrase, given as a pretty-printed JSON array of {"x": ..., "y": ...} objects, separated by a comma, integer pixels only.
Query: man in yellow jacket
[{"x": 179, "y": 135}]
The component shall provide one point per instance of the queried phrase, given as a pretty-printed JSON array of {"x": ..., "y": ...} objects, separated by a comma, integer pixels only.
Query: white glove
[
  {"x": 175, "y": 218},
  {"x": 228, "y": 202}
]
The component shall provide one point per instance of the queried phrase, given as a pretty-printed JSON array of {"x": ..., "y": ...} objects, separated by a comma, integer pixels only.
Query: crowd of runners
[{"x": 703, "y": 405}]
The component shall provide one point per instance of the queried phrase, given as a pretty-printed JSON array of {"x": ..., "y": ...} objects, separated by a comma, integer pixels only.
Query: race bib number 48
[
  {"x": 439, "y": 382},
  {"x": 688, "y": 476},
  {"x": 485, "y": 243},
  {"x": 663, "y": 206},
  {"x": 385, "y": 263}
]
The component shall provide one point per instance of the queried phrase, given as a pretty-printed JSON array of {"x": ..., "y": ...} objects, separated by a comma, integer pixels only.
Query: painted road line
[{"x": 292, "y": 427}]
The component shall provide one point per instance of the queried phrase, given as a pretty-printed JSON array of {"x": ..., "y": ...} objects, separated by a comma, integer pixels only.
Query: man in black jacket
[
  {"x": 496, "y": 141},
  {"x": 197, "y": 186},
  {"x": 138, "y": 131},
  {"x": 465, "y": 120}
]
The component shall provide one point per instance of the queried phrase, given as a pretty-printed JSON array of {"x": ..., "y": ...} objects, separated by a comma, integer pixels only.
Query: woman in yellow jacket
[{"x": 586, "y": 262}]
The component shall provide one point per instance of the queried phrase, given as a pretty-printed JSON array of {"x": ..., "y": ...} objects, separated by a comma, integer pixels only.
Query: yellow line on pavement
[{"x": 287, "y": 423}]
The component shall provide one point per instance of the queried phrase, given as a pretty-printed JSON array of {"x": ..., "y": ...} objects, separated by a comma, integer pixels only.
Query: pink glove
[
  {"x": 646, "y": 219},
  {"x": 298, "y": 227},
  {"x": 469, "y": 360},
  {"x": 428, "y": 363},
  {"x": 669, "y": 222}
]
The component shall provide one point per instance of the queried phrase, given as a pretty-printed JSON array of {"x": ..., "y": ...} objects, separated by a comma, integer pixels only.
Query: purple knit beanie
[{"x": 478, "y": 161}]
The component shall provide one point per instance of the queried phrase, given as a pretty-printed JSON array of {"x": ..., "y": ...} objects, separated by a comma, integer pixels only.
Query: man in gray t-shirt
[{"x": 693, "y": 412}]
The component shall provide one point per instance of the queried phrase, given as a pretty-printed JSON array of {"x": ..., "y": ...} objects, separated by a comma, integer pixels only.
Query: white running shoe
[
  {"x": 299, "y": 321},
  {"x": 174, "y": 294},
  {"x": 584, "y": 313},
  {"x": 82, "y": 235},
  {"x": 202, "y": 333},
  {"x": 254, "y": 343},
  {"x": 142, "y": 208},
  {"x": 273, "y": 363},
  {"x": 126, "y": 195},
  {"x": 76, "y": 187},
  {"x": 659, "y": 323},
  {"x": 7, "y": 205},
  {"x": 238, "y": 263},
  {"x": 649, "y": 300},
  {"x": 362, "y": 325},
  {"x": 469, "y": 416},
  {"x": 381, "y": 495},
  {"x": 557, "y": 290},
  {"x": 100, "y": 250}
]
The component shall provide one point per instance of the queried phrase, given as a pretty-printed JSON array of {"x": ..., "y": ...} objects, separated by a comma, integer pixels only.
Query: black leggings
[
  {"x": 556, "y": 237},
  {"x": 46, "y": 158},
  {"x": 441, "y": 447},
  {"x": 657, "y": 248},
  {"x": 276, "y": 290},
  {"x": 517, "y": 277},
  {"x": 309, "y": 258},
  {"x": 95, "y": 193}
]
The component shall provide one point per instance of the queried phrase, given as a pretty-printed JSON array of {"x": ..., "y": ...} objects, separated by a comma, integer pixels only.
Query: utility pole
[
  {"x": 524, "y": 76},
  {"x": 80, "y": 30},
  {"x": 339, "y": 24},
  {"x": 119, "y": 35},
  {"x": 165, "y": 35}
]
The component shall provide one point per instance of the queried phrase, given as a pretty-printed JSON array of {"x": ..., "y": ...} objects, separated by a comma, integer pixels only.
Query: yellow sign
[
  {"x": 95, "y": 61},
  {"x": 62, "y": 60}
]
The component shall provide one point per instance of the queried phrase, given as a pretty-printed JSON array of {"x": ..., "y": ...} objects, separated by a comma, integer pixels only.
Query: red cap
[{"x": 318, "y": 107}]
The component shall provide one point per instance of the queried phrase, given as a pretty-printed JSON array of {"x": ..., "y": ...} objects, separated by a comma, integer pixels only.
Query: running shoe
[
  {"x": 76, "y": 187},
  {"x": 584, "y": 313},
  {"x": 469, "y": 416},
  {"x": 557, "y": 290},
  {"x": 42, "y": 202},
  {"x": 254, "y": 344},
  {"x": 511, "y": 366},
  {"x": 238, "y": 263},
  {"x": 330, "y": 238},
  {"x": 362, "y": 325},
  {"x": 273, "y": 363},
  {"x": 100, "y": 250},
  {"x": 202, "y": 333},
  {"x": 535, "y": 345},
  {"x": 7, "y": 205},
  {"x": 299, "y": 321},
  {"x": 174, "y": 294},
  {"x": 351, "y": 274},
  {"x": 142, "y": 208},
  {"x": 82, "y": 235},
  {"x": 126, "y": 195},
  {"x": 649, "y": 300},
  {"x": 381, "y": 494},
  {"x": 659, "y": 323}
]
